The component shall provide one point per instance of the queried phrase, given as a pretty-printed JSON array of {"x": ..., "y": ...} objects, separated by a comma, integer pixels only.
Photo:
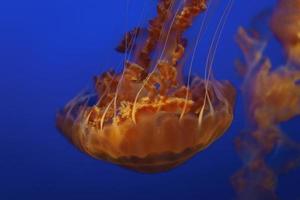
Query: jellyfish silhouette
[
  {"x": 147, "y": 117},
  {"x": 272, "y": 96}
]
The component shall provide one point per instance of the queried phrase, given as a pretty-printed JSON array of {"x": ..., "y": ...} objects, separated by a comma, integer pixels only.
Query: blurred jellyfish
[
  {"x": 148, "y": 118},
  {"x": 272, "y": 96}
]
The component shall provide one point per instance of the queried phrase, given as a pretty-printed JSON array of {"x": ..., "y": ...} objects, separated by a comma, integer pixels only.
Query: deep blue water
[{"x": 49, "y": 50}]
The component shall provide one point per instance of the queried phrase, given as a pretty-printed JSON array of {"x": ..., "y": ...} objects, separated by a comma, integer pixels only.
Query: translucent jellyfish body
[
  {"x": 147, "y": 118},
  {"x": 272, "y": 97}
]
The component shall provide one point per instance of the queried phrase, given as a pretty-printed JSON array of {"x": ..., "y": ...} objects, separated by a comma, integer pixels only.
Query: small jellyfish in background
[
  {"x": 147, "y": 117},
  {"x": 272, "y": 96}
]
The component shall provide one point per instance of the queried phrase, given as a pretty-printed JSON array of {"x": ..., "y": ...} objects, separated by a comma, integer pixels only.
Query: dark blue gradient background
[{"x": 49, "y": 50}]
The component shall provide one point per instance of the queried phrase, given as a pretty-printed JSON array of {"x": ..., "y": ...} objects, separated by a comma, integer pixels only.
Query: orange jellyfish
[
  {"x": 272, "y": 96},
  {"x": 147, "y": 118}
]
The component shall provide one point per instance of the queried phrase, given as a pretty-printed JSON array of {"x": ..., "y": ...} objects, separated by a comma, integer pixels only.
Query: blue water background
[{"x": 49, "y": 50}]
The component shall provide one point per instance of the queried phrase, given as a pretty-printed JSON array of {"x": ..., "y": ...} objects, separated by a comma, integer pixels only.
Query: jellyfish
[
  {"x": 148, "y": 118},
  {"x": 272, "y": 96}
]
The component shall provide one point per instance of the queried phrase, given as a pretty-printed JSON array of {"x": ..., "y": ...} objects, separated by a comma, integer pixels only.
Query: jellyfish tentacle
[
  {"x": 135, "y": 35},
  {"x": 222, "y": 25},
  {"x": 131, "y": 50},
  {"x": 210, "y": 57},
  {"x": 150, "y": 74},
  {"x": 201, "y": 113},
  {"x": 200, "y": 32},
  {"x": 105, "y": 87},
  {"x": 252, "y": 48},
  {"x": 163, "y": 9},
  {"x": 104, "y": 114},
  {"x": 216, "y": 39},
  {"x": 181, "y": 21},
  {"x": 155, "y": 31},
  {"x": 129, "y": 39}
]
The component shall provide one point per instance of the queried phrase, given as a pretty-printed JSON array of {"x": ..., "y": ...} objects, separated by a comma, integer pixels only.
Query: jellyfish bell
[
  {"x": 147, "y": 118},
  {"x": 159, "y": 139},
  {"x": 285, "y": 24}
]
